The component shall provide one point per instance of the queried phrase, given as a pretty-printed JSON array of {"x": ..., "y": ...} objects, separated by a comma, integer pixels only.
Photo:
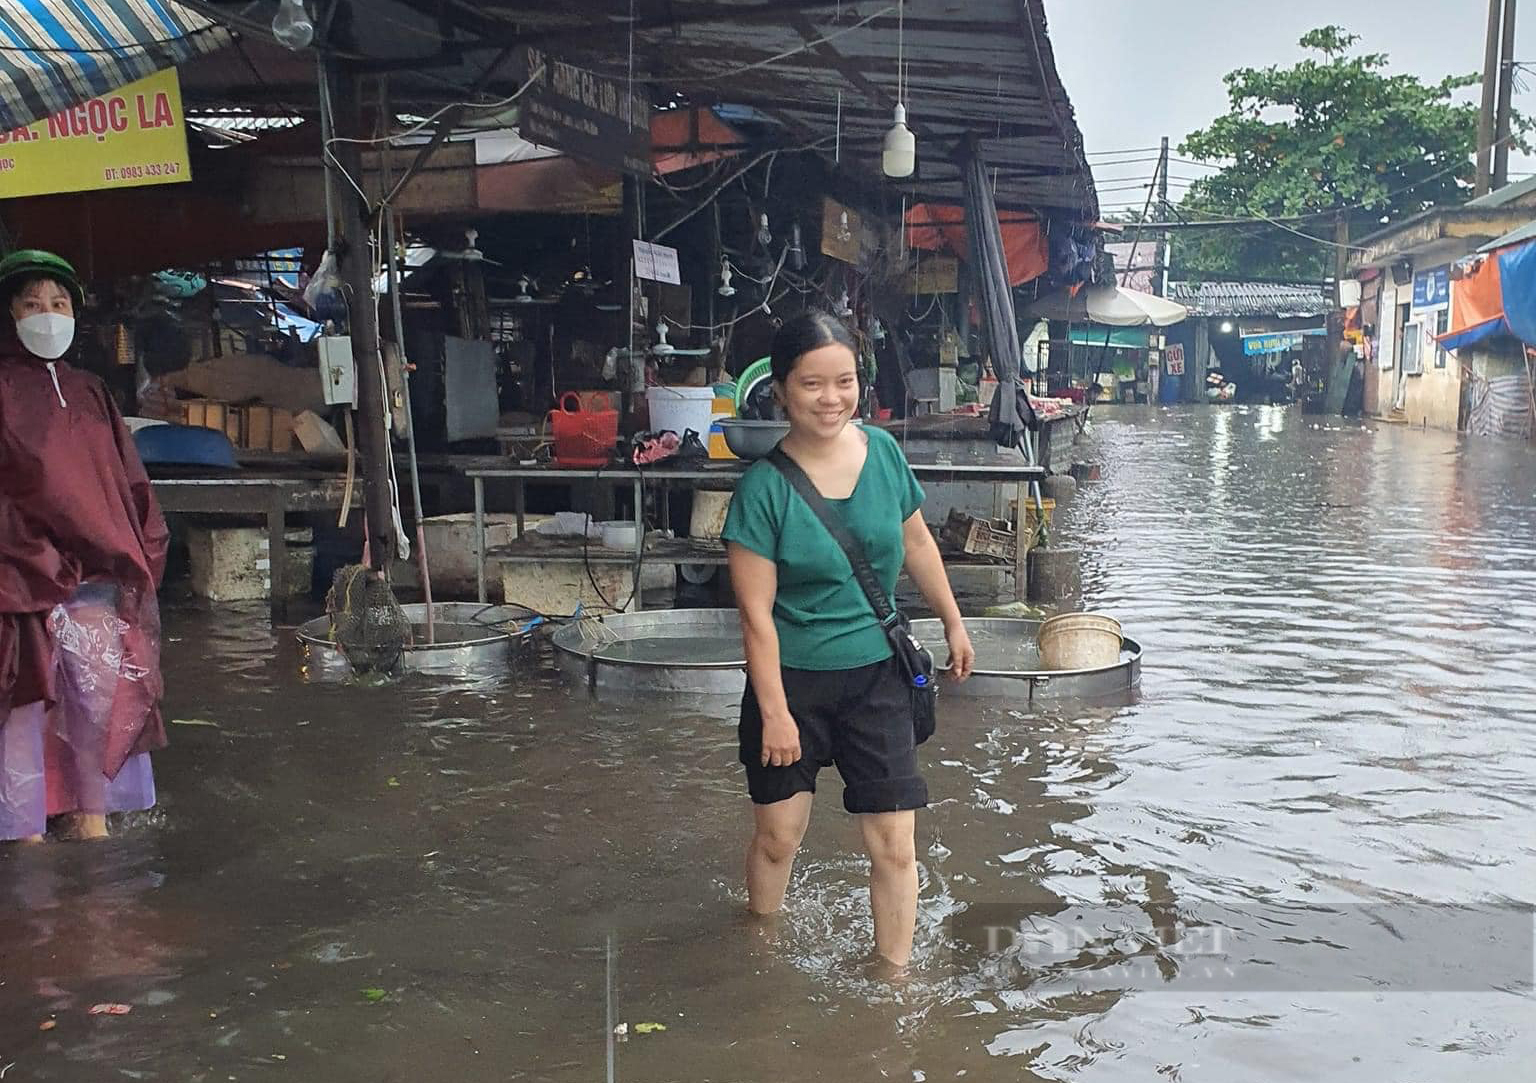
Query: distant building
[
  {"x": 1408, "y": 301},
  {"x": 1249, "y": 331}
]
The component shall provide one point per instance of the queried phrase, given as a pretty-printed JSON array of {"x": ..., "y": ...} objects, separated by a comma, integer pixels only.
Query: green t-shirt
[{"x": 823, "y": 619}]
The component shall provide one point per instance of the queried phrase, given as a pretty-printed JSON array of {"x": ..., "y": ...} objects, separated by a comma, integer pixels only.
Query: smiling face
[
  {"x": 822, "y": 391},
  {"x": 40, "y": 296}
]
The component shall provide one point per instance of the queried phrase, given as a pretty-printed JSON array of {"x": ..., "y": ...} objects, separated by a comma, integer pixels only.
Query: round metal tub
[
  {"x": 1008, "y": 664},
  {"x": 470, "y": 640},
  {"x": 673, "y": 650}
]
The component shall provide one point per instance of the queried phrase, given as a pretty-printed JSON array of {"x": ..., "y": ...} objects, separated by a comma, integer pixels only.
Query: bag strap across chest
[{"x": 863, "y": 573}]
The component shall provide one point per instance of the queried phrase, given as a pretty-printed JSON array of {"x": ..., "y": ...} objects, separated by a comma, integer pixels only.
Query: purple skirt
[
  {"x": 51, "y": 760},
  {"x": 30, "y": 776}
]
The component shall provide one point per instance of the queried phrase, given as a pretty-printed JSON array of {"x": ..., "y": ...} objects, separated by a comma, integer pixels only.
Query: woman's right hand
[{"x": 781, "y": 741}]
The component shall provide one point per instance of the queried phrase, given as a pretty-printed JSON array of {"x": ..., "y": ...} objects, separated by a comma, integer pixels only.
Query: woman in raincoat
[{"x": 82, "y": 549}]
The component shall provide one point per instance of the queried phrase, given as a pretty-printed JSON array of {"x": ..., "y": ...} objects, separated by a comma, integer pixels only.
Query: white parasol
[{"x": 1115, "y": 306}]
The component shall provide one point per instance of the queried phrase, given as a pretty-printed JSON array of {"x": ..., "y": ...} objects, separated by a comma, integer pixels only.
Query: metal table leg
[
  {"x": 1021, "y": 557},
  {"x": 519, "y": 504},
  {"x": 480, "y": 539},
  {"x": 639, "y": 568},
  {"x": 277, "y": 556}
]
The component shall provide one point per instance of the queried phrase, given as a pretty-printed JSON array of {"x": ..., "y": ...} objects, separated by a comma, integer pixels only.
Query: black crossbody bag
[{"x": 912, "y": 658}]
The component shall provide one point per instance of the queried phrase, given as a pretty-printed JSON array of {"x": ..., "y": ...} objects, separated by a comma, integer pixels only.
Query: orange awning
[
  {"x": 941, "y": 228},
  {"x": 1477, "y": 305}
]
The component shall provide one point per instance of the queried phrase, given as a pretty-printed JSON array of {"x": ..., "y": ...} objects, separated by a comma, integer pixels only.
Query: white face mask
[{"x": 47, "y": 334}]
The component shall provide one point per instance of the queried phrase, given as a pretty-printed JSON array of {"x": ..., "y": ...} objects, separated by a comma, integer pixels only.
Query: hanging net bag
[{"x": 367, "y": 624}]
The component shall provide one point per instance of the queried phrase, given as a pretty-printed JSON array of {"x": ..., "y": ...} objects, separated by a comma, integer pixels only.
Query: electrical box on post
[{"x": 338, "y": 375}]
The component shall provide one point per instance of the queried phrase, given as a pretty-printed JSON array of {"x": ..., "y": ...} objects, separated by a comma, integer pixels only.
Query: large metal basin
[
  {"x": 1008, "y": 664},
  {"x": 695, "y": 651},
  {"x": 470, "y": 640}
]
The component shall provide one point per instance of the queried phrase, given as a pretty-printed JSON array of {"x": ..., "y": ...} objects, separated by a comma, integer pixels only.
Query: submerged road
[{"x": 1301, "y": 853}]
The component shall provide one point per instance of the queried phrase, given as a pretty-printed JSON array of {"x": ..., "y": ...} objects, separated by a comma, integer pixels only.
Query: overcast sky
[{"x": 1137, "y": 70}]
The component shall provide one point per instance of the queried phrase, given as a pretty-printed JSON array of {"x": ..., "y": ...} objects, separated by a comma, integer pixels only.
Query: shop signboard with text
[
  {"x": 595, "y": 117},
  {"x": 1432, "y": 288},
  {"x": 131, "y": 137}
]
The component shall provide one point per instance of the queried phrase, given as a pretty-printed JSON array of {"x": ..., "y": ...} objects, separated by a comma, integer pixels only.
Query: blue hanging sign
[
  {"x": 1278, "y": 341},
  {"x": 1432, "y": 288}
]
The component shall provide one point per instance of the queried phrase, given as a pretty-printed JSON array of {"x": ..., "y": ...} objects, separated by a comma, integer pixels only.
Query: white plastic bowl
[{"x": 617, "y": 534}]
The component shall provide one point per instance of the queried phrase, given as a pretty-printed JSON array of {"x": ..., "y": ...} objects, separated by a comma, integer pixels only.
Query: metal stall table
[
  {"x": 692, "y": 551},
  {"x": 270, "y": 498}
]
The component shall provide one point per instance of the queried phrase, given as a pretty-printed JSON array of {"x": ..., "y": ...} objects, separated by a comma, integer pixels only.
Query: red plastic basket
[{"x": 582, "y": 437}]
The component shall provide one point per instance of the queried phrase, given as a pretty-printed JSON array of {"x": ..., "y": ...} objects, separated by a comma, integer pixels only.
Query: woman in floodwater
[
  {"x": 82, "y": 548},
  {"x": 823, "y": 687}
]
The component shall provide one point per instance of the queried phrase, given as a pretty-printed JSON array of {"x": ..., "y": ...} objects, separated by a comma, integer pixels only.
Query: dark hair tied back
[{"x": 811, "y": 330}]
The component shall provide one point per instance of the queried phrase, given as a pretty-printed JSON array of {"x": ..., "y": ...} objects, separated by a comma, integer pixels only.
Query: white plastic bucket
[
  {"x": 709, "y": 510},
  {"x": 681, "y": 408},
  {"x": 1077, "y": 641}
]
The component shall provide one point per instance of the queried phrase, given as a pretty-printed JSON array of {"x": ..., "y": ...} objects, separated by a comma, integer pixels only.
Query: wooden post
[{"x": 355, "y": 259}]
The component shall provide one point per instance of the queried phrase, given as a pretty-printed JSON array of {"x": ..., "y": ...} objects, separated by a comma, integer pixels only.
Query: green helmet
[{"x": 35, "y": 263}]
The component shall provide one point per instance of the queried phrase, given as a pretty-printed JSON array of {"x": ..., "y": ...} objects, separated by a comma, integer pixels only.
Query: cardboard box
[
  {"x": 282, "y": 430},
  {"x": 316, "y": 435},
  {"x": 206, "y": 414},
  {"x": 234, "y": 425},
  {"x": 258, "y": 427}
]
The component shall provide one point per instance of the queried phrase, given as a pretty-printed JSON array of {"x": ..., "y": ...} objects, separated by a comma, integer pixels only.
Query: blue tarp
[
  {"x": 1517, "y": 273},
  {"x": 59, "y": 53},
  {"x": 1471, "y": 336}
]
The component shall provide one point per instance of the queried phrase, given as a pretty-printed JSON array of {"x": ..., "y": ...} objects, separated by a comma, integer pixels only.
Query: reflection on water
[
  {"x": 998, "y": 651},
  {"x": 696, "y": 650},
  {"x": 1335, "y": 711}
]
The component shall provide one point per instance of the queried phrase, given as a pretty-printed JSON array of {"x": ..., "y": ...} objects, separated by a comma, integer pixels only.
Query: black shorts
[{"x": 859, "y": 719}]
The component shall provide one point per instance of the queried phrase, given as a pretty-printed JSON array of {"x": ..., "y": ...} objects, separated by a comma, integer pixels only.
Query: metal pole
[
  {"x": 608, "y": 1002},
  {"x": 1164, "y": 245},
  {"x": 1485, "y": 121},
  {"x": 480, "y": 540},
  {"x": 325, "y": 138},
  {"x": 1503, "y": 122},
  {"x": 355, "y": 257},
  {"x": 393, "y": 272}
]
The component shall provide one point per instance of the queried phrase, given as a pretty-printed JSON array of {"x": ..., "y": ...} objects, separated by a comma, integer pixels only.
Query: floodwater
[{"x": 1330, "y": 764}]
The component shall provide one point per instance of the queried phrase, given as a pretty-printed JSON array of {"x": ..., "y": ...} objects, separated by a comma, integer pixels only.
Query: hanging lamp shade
[{"x": 900, "y": 155}]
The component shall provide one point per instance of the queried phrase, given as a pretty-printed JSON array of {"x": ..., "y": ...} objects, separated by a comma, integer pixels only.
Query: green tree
[{"x": 1334, "y": 132}]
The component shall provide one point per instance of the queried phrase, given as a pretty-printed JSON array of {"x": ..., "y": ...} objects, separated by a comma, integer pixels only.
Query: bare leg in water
[
  {"x": 888, "y": 836},
  {"x": 778, "y": 829}
]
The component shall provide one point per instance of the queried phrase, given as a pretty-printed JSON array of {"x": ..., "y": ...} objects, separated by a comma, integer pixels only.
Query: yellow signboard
[{"x": 130, "y": 137}]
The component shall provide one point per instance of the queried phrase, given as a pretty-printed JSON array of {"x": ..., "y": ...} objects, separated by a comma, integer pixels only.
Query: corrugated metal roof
[
  {"x": 825, "y": 71},
  {"x": 59, "y": 53},
  {"x": 1524, "y": 233},
  {"x": 1251, "y": 299},
  {"x": 1503, "y": 197}
]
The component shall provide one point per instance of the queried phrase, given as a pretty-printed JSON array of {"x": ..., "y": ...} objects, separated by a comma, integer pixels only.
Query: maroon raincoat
[{"x": 75, "y": 505}]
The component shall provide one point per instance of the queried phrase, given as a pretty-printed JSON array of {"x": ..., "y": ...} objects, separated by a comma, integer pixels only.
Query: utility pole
[
  {"x": 1503, "y": 122},
  {"x": 1164, "y": 244},
  {"x": 1485, "y": 120},
  {"x": 355, "y": 257}
]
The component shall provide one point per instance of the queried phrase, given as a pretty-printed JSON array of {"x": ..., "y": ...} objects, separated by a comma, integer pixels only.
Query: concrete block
[
  {"x": 1055, "y": 574},
  {"x": 234, "y": 564},
  {"x": 558, "y": 587},
  {"x": 1059, "y": 487},
  {"x": 451, "y": 553}
]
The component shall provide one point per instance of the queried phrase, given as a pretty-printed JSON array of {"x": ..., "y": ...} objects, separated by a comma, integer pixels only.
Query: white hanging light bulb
[
  {"x": 292, "y": 26},
  {"x": 899, "y": 156},
  {"x": 726, "y": 289}
]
